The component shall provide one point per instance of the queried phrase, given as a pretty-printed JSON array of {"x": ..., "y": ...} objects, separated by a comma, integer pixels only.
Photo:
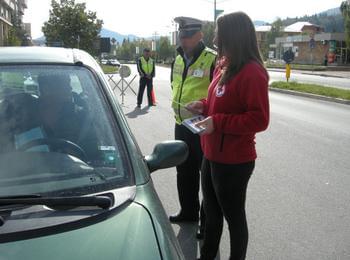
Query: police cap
[{"x": 188, "y": 26}]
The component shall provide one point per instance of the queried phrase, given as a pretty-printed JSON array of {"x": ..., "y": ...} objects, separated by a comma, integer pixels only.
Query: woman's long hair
[{"x": 236, "y": 41}]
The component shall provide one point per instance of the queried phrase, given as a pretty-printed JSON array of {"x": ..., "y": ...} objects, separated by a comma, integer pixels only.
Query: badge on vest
[
  {"x": 198, "y": 73},
  {"x": 220, "y": 91}
]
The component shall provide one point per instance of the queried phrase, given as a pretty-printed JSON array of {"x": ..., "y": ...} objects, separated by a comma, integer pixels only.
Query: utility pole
[
  {"x": 78, "y": 40},
  {"x": 217, "y": 12},
  {"x": 154, "y": 46},
  {"x": 214, "y": 11}
]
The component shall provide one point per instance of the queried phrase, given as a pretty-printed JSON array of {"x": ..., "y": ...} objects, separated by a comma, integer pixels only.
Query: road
[
  {"x": 311, "y": 78},
  {"x": 298, "y": 197}
]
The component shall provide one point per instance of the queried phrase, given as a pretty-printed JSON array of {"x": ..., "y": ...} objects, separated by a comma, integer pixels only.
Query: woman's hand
[
  {"x": 195, "y": 107},
  {"x": 207, "y": 124}
]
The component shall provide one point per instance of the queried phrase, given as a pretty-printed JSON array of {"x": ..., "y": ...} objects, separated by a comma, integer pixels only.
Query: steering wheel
[{"x": 57, "y": 145}]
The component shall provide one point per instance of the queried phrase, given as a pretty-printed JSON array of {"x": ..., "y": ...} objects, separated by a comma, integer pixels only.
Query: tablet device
[{"x": 190, "y": 124}]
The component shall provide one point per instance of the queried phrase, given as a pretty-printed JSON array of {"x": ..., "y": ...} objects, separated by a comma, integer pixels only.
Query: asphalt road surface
[{"x": 298, "y": 201}]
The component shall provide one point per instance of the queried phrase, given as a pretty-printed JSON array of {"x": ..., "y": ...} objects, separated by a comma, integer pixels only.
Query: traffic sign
[
  {"x": 312, "y": 43},
  {"x": 124, "y": 71}
]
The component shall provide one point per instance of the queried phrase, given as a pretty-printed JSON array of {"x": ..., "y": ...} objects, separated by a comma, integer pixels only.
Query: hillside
[
  {"x": 104, "y": 33},
  {"x": 119, "y": 37},
  {"x": 331, "y": 20}
]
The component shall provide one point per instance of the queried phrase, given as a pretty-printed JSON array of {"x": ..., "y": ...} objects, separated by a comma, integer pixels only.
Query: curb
[
  {"x": 309, "y": 95},
  {"x": 323, "y": 75}
]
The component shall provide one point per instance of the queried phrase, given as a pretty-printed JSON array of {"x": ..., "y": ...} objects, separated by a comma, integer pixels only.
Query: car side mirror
[{"x": 167, "y": 154}]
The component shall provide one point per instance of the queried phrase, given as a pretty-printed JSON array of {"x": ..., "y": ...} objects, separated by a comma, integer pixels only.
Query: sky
[{"x": 148, "y": 17}]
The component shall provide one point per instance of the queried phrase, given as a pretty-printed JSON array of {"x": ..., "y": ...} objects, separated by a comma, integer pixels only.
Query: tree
[
  {"x": 12, "y": 39},
  {"x": 125, "y": 51},
  {"x": 330, "y": 22},
  {"x": 208, "y": 30},
  {"x": 165, "y": 51},
  {"x": 17, "y": 35},
  {"x": 345, "y": 10},
  {"x": 71, "y": 25},
  {"x": 275, "y": 32}
]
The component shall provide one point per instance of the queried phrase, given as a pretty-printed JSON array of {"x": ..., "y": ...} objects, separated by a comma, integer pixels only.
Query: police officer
[
  {"x": 190, "y": 78},
  {"x": 146, "y": 69}
]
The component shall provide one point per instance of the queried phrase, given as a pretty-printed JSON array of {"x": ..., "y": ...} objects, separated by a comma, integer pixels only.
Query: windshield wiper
[
  {"x": 11, "y": 197},
  {"x": 103, "y": 202},
  {"x": 21, "y": 196}
]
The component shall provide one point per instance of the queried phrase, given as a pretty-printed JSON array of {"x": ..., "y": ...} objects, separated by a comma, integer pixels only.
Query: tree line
[{"x": 164, "y": 51}]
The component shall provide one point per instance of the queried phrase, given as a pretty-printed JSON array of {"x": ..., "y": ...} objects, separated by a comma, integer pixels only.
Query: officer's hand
[
  {"x": 207, "y": 124},
  {"x": 195, "y": 107}
]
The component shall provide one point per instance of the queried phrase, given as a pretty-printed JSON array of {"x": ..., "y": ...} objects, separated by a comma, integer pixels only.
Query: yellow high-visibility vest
[
  {"x": 147, "y": 66},
  {"x": 192, "y": 86}
]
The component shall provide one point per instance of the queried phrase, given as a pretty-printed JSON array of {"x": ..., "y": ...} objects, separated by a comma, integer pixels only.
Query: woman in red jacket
[{"x": 237, "y": 107}]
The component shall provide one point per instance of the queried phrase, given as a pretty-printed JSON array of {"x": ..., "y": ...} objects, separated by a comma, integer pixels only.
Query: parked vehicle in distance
[{"x": 113, "y": 62}]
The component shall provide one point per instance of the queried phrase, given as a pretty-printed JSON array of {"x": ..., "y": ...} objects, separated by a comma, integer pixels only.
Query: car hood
[{"x": 127, "y": 234}]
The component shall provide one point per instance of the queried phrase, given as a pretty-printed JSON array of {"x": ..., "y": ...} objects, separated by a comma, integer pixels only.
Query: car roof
[{"x": 54, "y": 55}]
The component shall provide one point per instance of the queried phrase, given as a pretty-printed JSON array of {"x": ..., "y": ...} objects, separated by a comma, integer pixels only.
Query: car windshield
[{"x": 57, "y": 133}]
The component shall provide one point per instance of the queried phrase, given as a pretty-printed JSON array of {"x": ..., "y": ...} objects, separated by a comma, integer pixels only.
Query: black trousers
[
  {"x": 224, "y": 193},
  {"x": 143, "y": 83},
  {"x": 188, "y": 173}
]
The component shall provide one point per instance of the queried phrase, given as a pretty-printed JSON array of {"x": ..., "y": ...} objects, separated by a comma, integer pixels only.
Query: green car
[{"x": 73, "y": 182}]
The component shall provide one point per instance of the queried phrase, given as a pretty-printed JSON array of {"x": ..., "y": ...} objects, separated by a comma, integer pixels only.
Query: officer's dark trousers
[
  {"x": 188, "y": 172},
  {"x": 143, "y": 83},
  {"x": 224, "y": 192}
]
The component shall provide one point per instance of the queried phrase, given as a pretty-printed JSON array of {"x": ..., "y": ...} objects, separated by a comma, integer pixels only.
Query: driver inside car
[{"x": 61, "y": 117}]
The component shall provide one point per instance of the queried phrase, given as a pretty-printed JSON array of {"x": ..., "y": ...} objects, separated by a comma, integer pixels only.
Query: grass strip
[
  {"x": 109, "y": 69},
  {"x": 313, "y": 89}
]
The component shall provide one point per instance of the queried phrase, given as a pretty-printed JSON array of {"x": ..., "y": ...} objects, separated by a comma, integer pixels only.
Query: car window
[{"x": 57, "y": 135}]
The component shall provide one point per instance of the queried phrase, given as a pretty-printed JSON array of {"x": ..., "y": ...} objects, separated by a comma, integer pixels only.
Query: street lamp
[
  {"x": 214, "y": 11},
  {"x": 174, "y": 34},
  {"x": 217, "y": 12}
]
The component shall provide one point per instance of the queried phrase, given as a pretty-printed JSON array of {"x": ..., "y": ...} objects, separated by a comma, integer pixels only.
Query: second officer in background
[{"x": 146, "y": 69}]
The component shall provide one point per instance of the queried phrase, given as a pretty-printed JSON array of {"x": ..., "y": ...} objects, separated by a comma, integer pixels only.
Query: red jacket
[{"x": 239, "y": 109}]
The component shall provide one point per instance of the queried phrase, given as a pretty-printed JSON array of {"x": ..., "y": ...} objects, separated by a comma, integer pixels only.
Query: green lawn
[
  {"x": 109, "y": 69},
  {"x": 313, "y": 89}
]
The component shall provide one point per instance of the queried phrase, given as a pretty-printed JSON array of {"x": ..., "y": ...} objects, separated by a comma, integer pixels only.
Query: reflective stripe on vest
[
  {"x": 194, "y": 86},
  {"x": 147, "y": 66}
]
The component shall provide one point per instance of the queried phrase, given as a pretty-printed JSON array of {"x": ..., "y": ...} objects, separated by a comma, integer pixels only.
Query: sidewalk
[{"x": 335, "y": 74}]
